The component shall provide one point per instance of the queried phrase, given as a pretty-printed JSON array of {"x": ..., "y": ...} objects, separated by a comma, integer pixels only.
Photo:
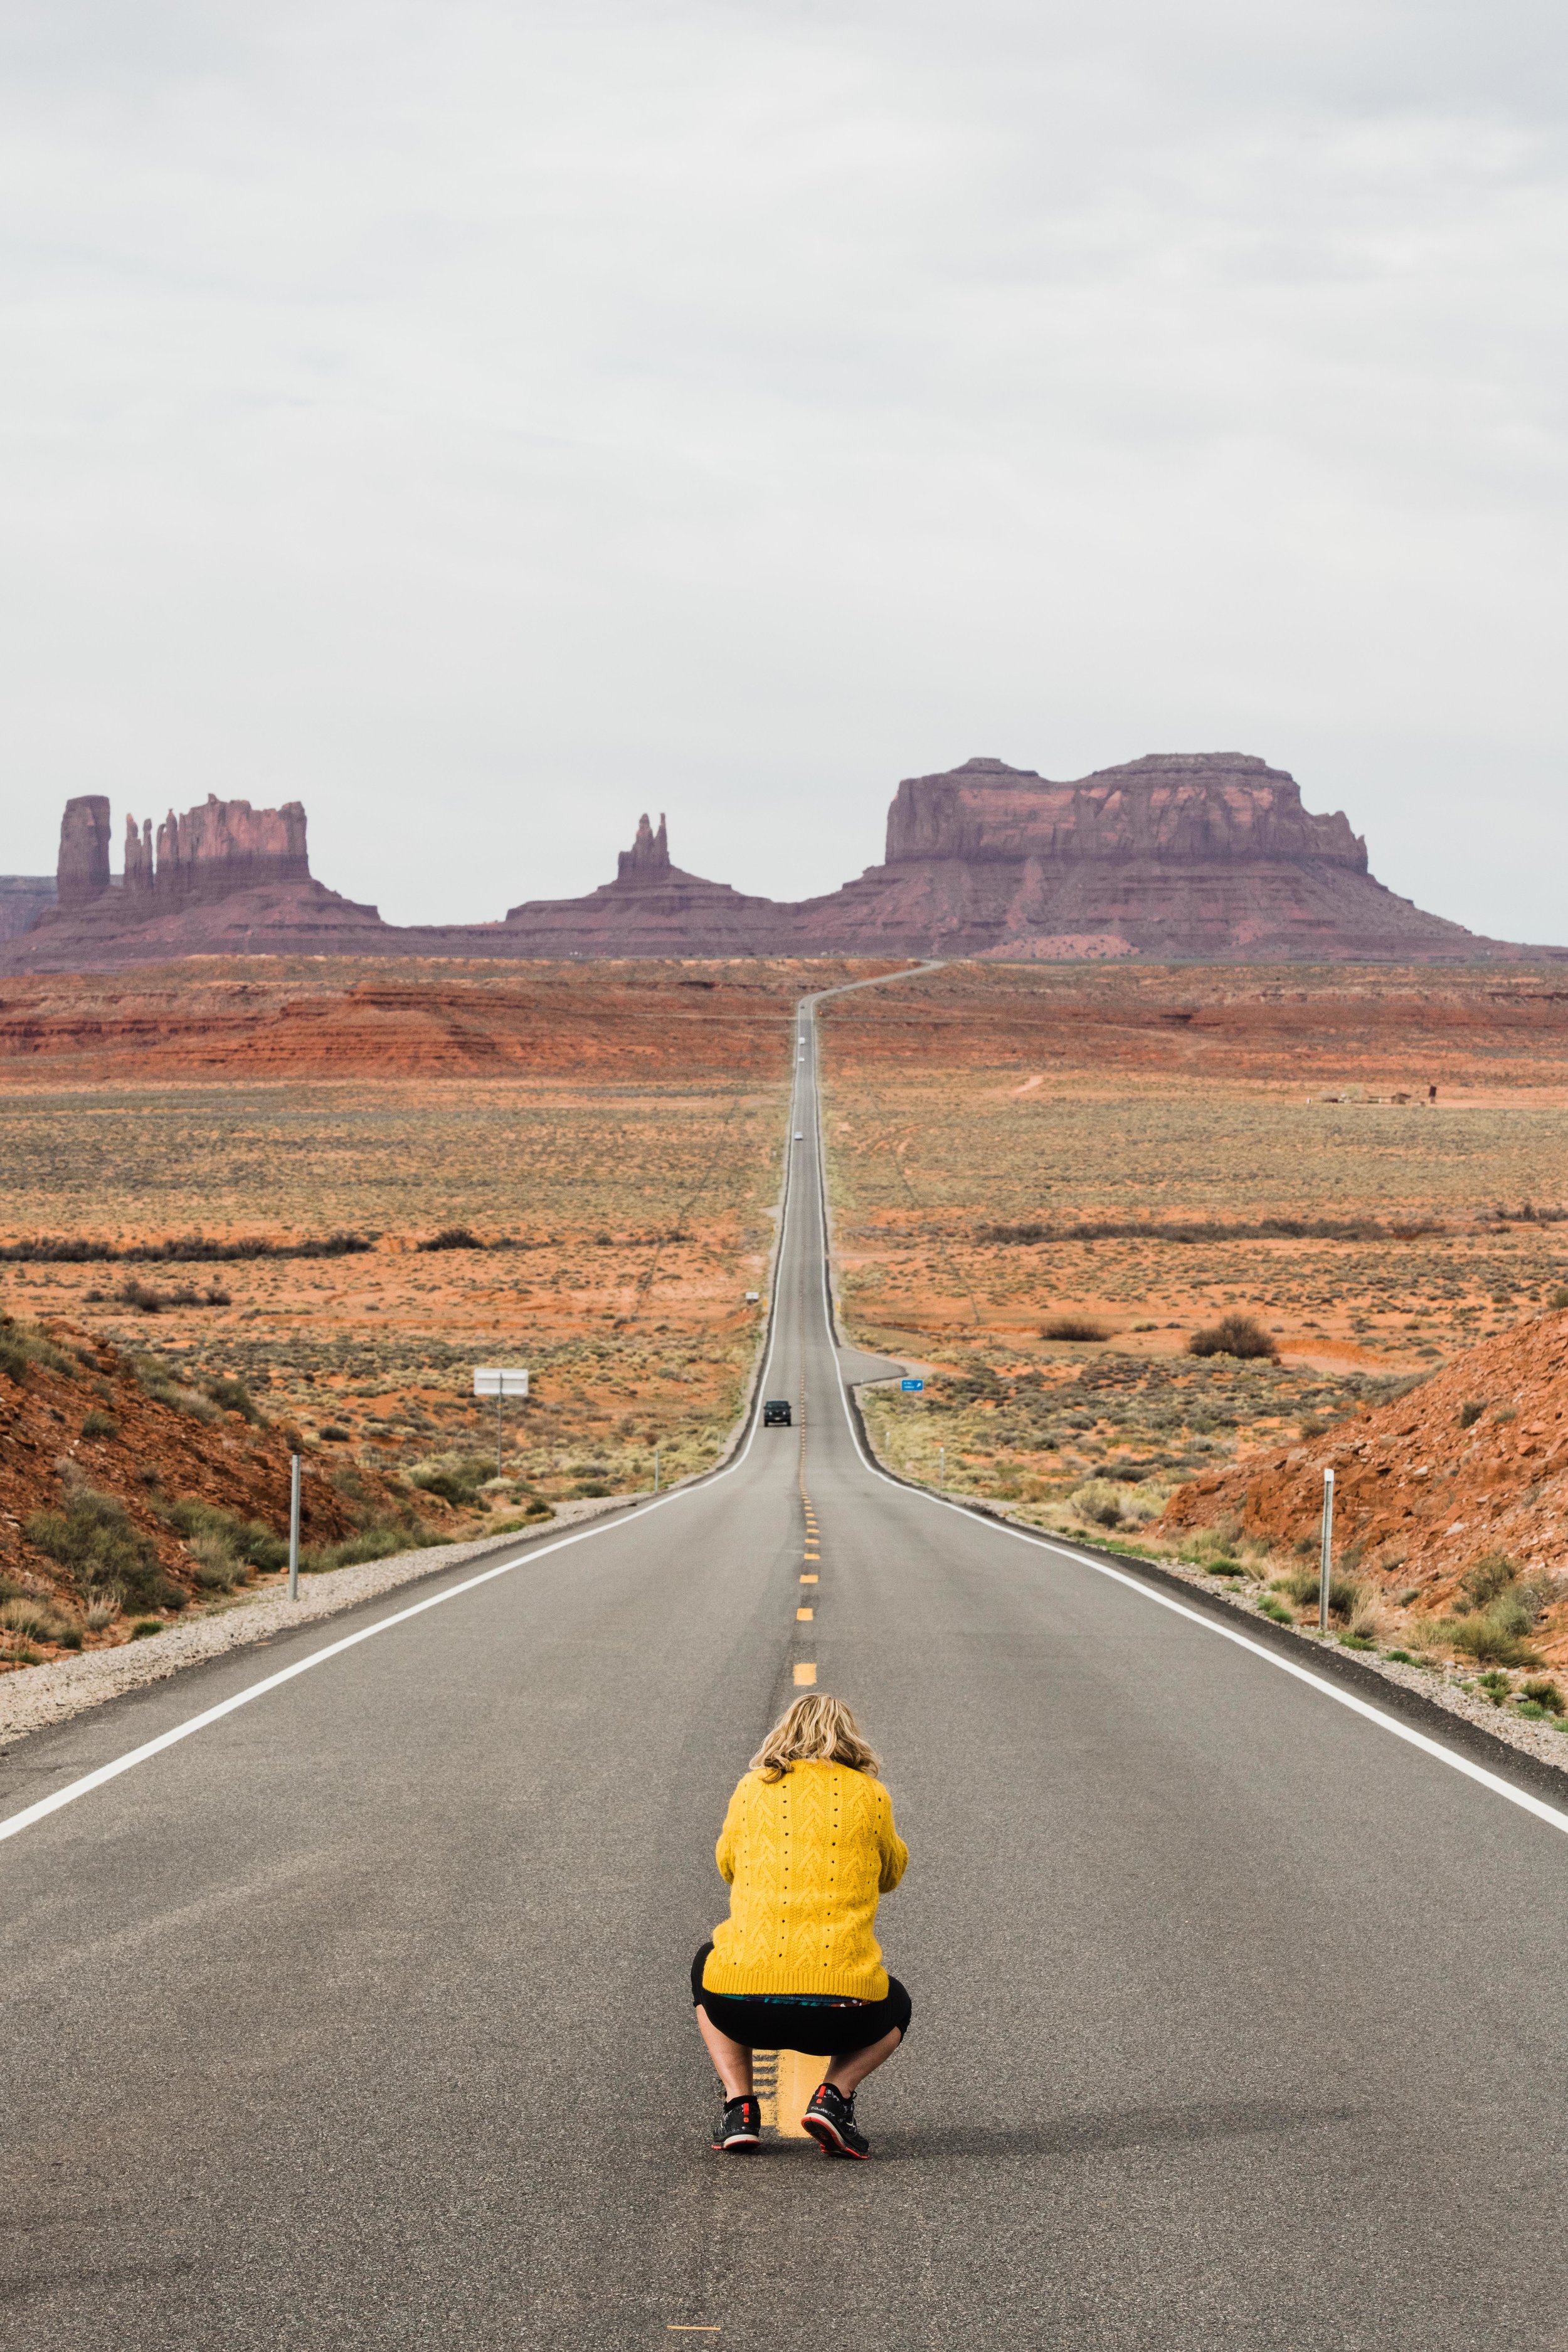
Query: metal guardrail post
[
  {"x": 294, "y": 1528},
  {"x": 1326, "y": 1557}
]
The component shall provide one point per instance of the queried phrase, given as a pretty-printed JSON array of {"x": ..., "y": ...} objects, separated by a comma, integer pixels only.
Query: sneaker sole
[
  {"x": 825, "y": 2134},
  {"x": 741, "y": 2147}
]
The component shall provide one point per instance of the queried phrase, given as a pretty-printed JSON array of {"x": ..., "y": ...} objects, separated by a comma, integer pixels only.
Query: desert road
[{"x": 357, "y": 2020}]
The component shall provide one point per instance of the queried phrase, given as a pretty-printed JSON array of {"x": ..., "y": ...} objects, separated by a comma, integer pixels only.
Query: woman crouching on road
[{"x": 807, "y": 1845}]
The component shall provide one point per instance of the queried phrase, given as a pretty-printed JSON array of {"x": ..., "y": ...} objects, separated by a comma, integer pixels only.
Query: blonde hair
[{"x": 818, "y": 1730}]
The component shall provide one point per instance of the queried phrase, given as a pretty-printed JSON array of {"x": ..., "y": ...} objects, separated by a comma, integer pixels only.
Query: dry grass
[
  {"x": 623, "y": 1222},
  {"x": 971, "y": 1134}
]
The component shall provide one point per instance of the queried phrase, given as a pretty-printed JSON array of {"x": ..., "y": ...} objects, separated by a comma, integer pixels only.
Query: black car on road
[{"x": 776, "y": 1414}]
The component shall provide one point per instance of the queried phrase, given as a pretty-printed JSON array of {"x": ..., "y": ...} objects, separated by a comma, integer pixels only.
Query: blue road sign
[{"x": 911, "y": 1385}]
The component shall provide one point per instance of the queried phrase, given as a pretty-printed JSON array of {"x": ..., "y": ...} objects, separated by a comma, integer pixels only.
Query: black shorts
[{"x": 800, "y": 2024}]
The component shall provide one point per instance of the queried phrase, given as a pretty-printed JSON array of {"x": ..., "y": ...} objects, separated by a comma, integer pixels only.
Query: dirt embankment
[
  {"x": 1471, "y": 1464},
  {"x": 263, "y": 1018},
  {"x": 129, "y": 1492}
]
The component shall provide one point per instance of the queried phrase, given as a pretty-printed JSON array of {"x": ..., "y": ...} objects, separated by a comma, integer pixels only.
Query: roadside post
[
  {"x": 500, "y": 1380},
  {"x": 293, "y": 1526},
  {"x": 656, "y": 1469},
  {"x": 1326, "y": 1558},
  {"x": 942, "y": 1469}
]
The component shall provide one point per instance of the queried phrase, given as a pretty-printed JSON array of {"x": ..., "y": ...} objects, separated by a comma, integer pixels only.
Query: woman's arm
[
  {"x": 724, "y": 1852},
  {"x": 895, "y": 1854}
]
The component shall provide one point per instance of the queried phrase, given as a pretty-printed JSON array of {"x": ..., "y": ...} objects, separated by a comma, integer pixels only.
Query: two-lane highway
[{"x": 358, "y": 2019}]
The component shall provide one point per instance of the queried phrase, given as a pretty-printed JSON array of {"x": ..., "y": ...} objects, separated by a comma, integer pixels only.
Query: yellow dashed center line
[
  {"x": 805, "y": 1674},
  {"x": 810, "y": 1579},
  {"x": 804, "y": 1614}
]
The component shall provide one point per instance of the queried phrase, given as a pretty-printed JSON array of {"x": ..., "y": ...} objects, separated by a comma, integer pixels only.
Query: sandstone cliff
[
  {"x": 1199, "y": 857},
  {"x": 1176, "y": 857},
  {"x": 224, "y": 878},
  {"x": 209, "y": 853}
]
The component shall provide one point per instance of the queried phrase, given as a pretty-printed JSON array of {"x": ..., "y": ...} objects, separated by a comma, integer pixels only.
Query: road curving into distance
[{"x": 355, "y": 2015}]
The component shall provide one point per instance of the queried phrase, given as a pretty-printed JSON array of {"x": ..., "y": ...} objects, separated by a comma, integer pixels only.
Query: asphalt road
[{"x": 359, "y": 2018}]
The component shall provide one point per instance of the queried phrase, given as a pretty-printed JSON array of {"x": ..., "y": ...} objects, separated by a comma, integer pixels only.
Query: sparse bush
[
  {"x": 455, "y": 1478},
  {"x": 334, "y": 1434},
  {"x": 1470, "y": 1413},
  {"x": 217, "y": 1568},
  {"x": 99, "y": 1424},
  {"x": 231, "y": 1395},
  {"x": 148, "y": 1300},
  {"x": 1558, "y": 1299},
  {"x": 1268, "y": 1607},
  {"x": 1233, "y": 1334},
  {"x": 1545, "y": 1695},
  {"x": 1098, "y": 1500},
  {"x": 1311, "y": 1425},
  {"x": 451, "y": 1237},
  {"x": 1072, "y": 1326},
  {"x": 97, "y": 1540},
  {"x": 23, "y": 1346},
  {"x": 162, "y": 1386},
  {"x": 1505, "y": 1413},
  {"x": 376, "y": 1542},
  {"x": 145, "y": 1625},
  {"x": 103, "y": 1608},
  {"x": 1490, "y": 1642},
  {"x": 1487, "y": 1578},
  {"x": 35, "y": 1621},
  {"x": 247, "y": 1541},
  {"x": 1496, "y": 1685}
]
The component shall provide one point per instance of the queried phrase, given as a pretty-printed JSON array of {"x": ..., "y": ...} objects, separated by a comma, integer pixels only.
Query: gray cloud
[{"x": 485, "y": 422}]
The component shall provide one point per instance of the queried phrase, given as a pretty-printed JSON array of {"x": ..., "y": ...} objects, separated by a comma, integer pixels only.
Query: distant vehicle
[
  {"x": 799, "y": 1137},
  {"x": 776, "y": 1414}
]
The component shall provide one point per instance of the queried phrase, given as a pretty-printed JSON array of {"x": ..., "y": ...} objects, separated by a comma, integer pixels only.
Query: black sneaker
[
  {"x": 830, "y": 2120},
  {"x": 739, "y": 2128}
]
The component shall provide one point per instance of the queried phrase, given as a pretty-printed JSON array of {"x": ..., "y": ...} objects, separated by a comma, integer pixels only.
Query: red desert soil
[
  {"x": 1359, "y": 1025},
  {"x": 270, "y": 1018},
  {"x": 1419, "y": 1497}
]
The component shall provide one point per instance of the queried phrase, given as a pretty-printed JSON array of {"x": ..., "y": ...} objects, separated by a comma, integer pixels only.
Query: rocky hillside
[
  {"x": 1451, "y": 1504},
  {"x": 130, "y": 1492}
]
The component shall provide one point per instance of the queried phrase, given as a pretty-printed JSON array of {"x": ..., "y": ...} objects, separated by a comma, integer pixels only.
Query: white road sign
[{"x": 500, "y": 1380}]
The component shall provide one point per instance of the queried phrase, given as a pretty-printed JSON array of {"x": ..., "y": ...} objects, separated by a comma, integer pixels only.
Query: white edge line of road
[
  {"x": 15, "y": 1824},
  {"x": 1552, "y": 1815}
]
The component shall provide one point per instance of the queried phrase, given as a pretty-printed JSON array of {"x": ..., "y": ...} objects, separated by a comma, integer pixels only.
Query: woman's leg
[
  {"x": 732, "y": 2060},
  {"x": 847, "y": 2074}
]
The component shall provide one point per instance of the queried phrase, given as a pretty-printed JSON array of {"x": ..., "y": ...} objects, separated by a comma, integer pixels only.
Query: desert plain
[{"x": 341, "y": 1186}]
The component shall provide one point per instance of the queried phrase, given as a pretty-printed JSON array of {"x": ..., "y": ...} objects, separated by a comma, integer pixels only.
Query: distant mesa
[
  {"x": 208, "y": 854},
  {"x": 223, "y": 878},
  {"x": 1206, "y": 857}
]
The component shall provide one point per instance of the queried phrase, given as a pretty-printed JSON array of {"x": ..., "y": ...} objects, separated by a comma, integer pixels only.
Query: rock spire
[{"x": 82, "y": 874}]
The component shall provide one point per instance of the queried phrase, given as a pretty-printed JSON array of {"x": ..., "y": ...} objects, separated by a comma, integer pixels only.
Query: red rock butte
[{"x": 1206, "y": 857}]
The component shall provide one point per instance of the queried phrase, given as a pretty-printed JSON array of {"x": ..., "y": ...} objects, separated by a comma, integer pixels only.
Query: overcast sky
[{"x": 485, "y": 422}]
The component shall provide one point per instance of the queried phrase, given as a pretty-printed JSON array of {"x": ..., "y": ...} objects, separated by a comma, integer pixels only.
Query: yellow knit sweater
[{"x": 806, "y": 1858}]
